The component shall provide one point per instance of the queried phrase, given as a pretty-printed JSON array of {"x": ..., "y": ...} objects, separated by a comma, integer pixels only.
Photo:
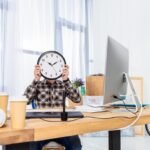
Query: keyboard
[{"x": 71, "y": 114}]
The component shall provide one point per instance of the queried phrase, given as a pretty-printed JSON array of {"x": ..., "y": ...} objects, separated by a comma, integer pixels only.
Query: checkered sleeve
[
  {"x": 31, "y": 91},
  {"x": 72, "y": 93}
]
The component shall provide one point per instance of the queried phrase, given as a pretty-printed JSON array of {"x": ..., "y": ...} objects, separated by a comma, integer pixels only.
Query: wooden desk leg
[
  {"x": 19, "y": 146},
  {"x": 115, "y": 140}
]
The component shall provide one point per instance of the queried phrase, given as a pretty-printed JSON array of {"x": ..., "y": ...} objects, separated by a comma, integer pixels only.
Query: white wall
[{"x": 127, "y": 21}]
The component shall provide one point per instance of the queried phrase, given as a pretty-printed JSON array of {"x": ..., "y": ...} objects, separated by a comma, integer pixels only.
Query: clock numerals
[
  {"x": 51, "y": 76},
  {"x": 43, "y": 59},
  {"x": 45, "y": 73},
  {"x": 46, "y": 56},
  {"x": 41, "y": 64},
  {"x": 51, "y": 55}
]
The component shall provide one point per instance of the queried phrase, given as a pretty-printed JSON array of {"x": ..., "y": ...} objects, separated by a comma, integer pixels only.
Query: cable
[
  {"x": 60, "y": 120},
  {"x": 88, "y": 117},
  {"x": 122, "y": 100},
  {"x": 109, "y": 117},
  {"x": 137, "y": 101},
  {"x": 135, "y": 113}
]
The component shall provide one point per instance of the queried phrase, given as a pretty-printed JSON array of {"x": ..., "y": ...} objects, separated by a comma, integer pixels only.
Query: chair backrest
[{"x": 53, "y": 146}]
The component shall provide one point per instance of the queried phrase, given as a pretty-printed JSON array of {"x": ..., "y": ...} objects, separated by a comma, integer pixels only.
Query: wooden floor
[{"x": 128, "y": 143}]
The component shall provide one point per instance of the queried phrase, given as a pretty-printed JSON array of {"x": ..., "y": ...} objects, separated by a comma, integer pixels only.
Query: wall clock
[{"x": 51, "y": 64}]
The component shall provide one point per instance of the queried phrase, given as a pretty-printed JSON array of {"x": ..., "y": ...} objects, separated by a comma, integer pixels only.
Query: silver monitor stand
[{"x": 137, "y": 101}]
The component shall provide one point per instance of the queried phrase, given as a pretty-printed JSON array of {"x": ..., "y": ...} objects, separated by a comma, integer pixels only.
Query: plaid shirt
[{"x": 48, "y": 94}]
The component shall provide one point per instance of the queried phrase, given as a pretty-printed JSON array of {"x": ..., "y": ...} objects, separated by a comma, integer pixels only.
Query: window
[
  {"x": 72, "y": 30},
  {"x": 61, "y": 26},
  {"x": 37, "y": 26}
]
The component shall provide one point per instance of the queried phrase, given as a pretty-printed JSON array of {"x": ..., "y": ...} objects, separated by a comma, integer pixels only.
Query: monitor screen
[{"x": 117, "y": 62}]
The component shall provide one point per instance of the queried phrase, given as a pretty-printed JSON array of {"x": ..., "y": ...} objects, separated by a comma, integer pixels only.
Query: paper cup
[
  {"x": 18, "y": 112},
  {"x": 3, "y": 101},
  {"x": 2, "y": 117}
]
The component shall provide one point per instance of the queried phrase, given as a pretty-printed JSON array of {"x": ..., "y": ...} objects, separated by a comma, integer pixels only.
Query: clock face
[{"x": 51, "y": 64}]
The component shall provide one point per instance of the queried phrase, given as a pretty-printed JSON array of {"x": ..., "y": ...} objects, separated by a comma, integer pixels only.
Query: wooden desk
[{"x": 37, "y": 129}]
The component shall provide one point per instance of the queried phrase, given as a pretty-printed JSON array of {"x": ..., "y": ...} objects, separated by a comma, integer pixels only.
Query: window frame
[{"x": 61, "y": 22}]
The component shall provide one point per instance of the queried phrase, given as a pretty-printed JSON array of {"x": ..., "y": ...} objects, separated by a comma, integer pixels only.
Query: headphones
[{"x": 2, "y": 117}]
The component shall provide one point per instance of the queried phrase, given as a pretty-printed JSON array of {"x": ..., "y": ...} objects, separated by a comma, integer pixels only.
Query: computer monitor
[{"x": 117, "y": 63}]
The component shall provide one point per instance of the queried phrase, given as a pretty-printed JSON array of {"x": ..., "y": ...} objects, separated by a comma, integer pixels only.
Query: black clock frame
[{"x": 47, "y": 52}]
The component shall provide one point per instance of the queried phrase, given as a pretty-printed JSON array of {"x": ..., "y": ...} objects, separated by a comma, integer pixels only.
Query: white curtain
[
  {"x": 29, "y": 30},
  {"x": 72, "y": 26},
  {"x": 74, "y": 31},
  {"x": 35, "y": 26},
  {"x": 3, "y": 8}
]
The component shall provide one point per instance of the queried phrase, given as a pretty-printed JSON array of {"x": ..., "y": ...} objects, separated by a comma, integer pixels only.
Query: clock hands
[
  {"x": 54, "y": 69},
  {"x": 50, "y": 64},
  {"x": 54, "y": 63}
]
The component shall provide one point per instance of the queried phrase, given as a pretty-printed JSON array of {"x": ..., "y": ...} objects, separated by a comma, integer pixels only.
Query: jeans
[{"x": 70, "y": 143}]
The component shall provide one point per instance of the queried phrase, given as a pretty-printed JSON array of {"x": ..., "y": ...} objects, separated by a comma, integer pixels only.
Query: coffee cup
[
  {"x": 3, "y": 101},
  {"x": 18, "y": 112}
]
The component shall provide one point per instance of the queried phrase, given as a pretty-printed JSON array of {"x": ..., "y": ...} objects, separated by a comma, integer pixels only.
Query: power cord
[
  {"x": 138, "y": 109},
  {"x": 109, "y": 117},
  {"x": 60, "y": 120},
  {"x": 135, "y": 113},
  {"x": 122, "y": 100},
  {"x": 88, "y": 117}
]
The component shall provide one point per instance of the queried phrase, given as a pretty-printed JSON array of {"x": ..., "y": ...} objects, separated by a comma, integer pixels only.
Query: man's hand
[
  {"x": 37, "y": 72},
  {"x": 65, "y": 73}
]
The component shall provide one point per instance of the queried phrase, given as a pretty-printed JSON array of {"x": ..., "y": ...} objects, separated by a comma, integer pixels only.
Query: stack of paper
[{"x": 86, "y": 108}]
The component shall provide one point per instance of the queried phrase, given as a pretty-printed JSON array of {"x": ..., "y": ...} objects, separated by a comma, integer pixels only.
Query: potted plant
[{"x": 79, "y": 84}]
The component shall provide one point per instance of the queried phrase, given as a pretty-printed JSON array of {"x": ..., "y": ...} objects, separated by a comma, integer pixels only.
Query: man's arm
[
  {"x": 31, "y": 90},
  {"x": 71, "y": 92}
]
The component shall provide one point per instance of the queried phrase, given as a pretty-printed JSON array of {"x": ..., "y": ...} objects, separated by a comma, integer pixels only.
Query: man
[{"x": 49, "y": 94}]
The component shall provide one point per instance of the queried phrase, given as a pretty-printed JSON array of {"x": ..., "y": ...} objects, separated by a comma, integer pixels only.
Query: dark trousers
[{"x": 70, "y": 143}]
